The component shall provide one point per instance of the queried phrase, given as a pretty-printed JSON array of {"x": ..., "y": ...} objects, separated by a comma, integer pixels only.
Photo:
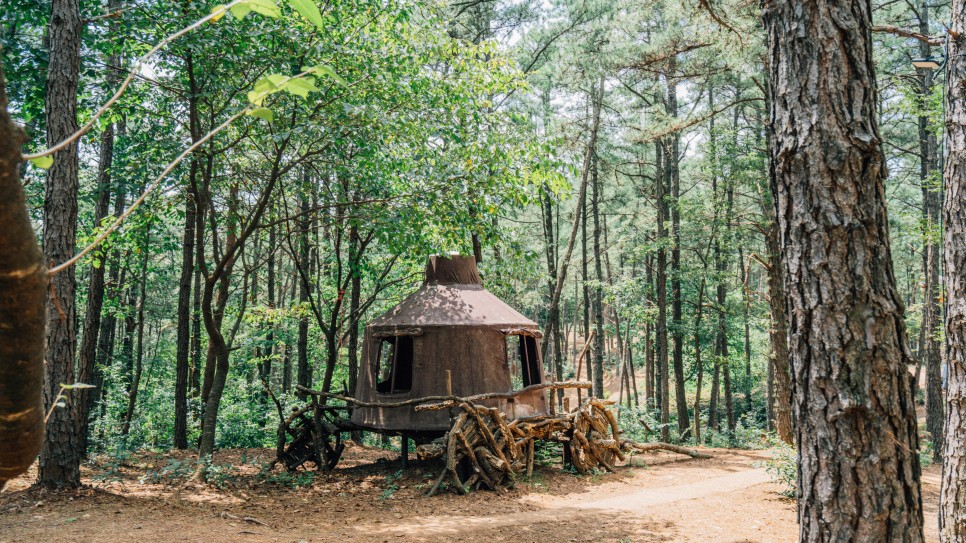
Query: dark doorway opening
[
  {"x": 395, "y": 370},
  {"x": 523, "y": 362}
]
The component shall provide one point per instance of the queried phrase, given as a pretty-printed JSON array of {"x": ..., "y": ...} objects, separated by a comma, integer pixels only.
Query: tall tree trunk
[
  {"x": 194, "y": 379},
  {"x": 778, "y": 335},
  {"x": 952, "y": 498},
  {"x": 715, "y": 393},
  {"x": 598, "y": 286},
  {"x": 185, "y": 316},
  {"x": 673, "y": 172},
  {"x": 265, "y": 367},
  {"x": 23, "y": 281},
  {"x": 304, "y": 372},
  {"x": 778, "y": 359},
  {"x": 661, "y": 366},
  {"x": 855, "y": 415},
  {"x": 355, "y": 301},
  {"x": 108, "y": 330},
  {"x": 745, "y": 317},
  {"x": 132, "y": 393},
  {"x": 649, "y": 370},
  {"x": 553, "y": 315},
  {"x": 699, "y": 312},
  {"x": 60, "y": 457},
  {"x": 87, "y": 356}
]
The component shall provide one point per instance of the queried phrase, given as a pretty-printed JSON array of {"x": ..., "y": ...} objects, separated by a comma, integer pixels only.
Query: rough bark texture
[
  {"x": 60, "y": 457},
  {"x": 779, "y": 376},
  {"x": 952, "y": 504},
  {"x": 781, "y": 407},
  {"x": 852, "y": 398},
  {"x": 23, "y": 284}
]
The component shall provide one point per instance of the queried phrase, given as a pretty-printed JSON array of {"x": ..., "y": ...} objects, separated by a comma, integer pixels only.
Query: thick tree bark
[
  {"x": 23, "y": 282},
  {"x": 781, "y": 409},
  {"x": 952, "y": 505},
  {"x": 853, "y": 404},
  {"x": 779, "y": 374},
  {"x": 60, "y": 457}
]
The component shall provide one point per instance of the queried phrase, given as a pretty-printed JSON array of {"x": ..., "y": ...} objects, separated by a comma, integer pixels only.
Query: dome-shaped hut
[{"x": 450, "y": 323}]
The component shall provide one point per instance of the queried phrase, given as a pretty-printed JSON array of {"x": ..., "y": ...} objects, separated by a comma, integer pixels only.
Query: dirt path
[
  {"x": 571, "y": 507},
  {"x": 662, "y": 497}
]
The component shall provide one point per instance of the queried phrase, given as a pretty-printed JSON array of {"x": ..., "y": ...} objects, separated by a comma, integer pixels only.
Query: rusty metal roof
[{"x": 452, "y": 294}]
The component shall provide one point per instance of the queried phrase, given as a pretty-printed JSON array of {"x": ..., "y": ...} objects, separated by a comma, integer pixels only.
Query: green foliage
[
  {"x": 293, "y": 480},
  {"x": 392, "y": 485},
  {"x": 783, "y": 469},
  {"x": 221, "y": 476},
  {"x": 173, "y": 471}
]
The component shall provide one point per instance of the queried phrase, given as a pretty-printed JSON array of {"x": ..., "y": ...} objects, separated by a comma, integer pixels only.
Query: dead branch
[
  {"x": 628, "y": 445},
  {"x": 905, "y": 33}
]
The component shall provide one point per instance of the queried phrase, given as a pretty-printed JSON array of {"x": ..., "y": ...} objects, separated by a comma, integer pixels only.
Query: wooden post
[
  {"x": 449, "y": 383},
  {"x": 566, "y": 404}
]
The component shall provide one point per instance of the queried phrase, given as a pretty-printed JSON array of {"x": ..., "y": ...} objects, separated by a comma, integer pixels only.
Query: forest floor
[{"x": 658, "y": 497}]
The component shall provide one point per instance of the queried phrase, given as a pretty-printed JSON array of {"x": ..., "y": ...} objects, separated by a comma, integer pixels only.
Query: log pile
[{"x": 486, "y": 450}]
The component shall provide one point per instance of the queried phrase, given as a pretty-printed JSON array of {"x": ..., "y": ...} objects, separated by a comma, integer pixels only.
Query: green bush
[{"x": 783, "y": 469}]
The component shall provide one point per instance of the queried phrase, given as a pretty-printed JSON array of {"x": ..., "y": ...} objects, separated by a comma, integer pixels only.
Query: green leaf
[
  {"x": 309, "y": 10},
  {"x": 262, "y": 113},
  {"x": 301, "y": 87},
  {"x": 322, "y": 70},
  {"x": 43, "y": 162},
  {"x": 264, "y": 7},
  {"x": 241, "y": 10},
  {"x": 265, "y": 87}
]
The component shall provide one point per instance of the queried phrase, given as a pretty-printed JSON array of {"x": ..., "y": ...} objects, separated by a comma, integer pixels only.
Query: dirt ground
[{"x": 658, "y": 497}]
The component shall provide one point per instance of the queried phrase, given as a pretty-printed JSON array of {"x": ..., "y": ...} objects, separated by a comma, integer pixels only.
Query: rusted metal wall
[{"x": 476, "y": 358}]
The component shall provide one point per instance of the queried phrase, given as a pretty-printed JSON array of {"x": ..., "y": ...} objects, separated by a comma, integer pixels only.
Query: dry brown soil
[{"x": 658, "y": 497}]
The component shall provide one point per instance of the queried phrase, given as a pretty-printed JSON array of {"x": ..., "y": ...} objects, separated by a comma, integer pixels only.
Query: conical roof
[{"x": 452, "y": 295}]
